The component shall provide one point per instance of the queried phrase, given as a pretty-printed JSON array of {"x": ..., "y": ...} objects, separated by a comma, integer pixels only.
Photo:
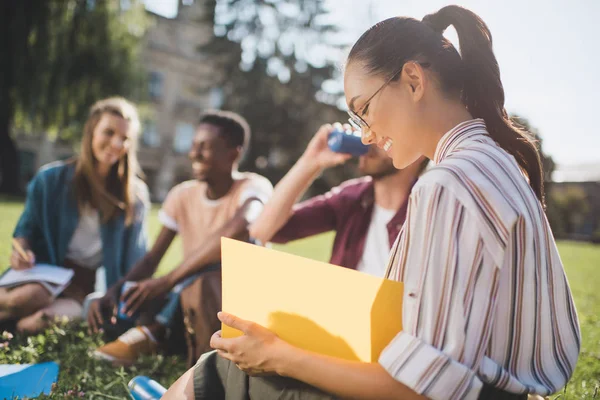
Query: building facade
[
  {"x": 182, "y": 83},
  {"x": 180, "y": 87}
]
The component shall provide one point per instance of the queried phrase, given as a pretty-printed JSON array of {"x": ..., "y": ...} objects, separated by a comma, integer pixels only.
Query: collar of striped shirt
[{"x": 455, "y": 136}]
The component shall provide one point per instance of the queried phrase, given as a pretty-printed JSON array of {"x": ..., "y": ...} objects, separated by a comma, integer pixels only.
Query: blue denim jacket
[{"x": 51, "y": 216}]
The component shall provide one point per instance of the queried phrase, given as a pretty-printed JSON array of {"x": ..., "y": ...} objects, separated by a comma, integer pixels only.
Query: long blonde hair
[{"x": 118, "y": 193}]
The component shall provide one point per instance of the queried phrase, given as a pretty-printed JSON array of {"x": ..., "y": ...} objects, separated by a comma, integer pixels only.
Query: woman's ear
[{"x": 414, "y": 76}]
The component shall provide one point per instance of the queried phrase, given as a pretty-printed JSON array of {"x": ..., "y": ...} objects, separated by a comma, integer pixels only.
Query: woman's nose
[
  {"x": 367, "y": 137},
  {"x": 117, "y": 143}
]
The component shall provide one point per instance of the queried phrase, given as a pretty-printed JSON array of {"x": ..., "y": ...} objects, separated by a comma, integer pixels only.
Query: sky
[{"x": 548, "y": 52}]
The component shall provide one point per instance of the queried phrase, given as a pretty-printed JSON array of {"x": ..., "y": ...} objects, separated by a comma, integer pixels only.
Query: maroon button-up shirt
[{"x": 347, "y": 210}]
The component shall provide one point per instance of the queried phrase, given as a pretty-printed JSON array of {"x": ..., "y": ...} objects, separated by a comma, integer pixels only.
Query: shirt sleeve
[
  {"x": 310, "y": 217},
  {"x": 169, "y": 212},
  {"x": 450, "y": 288},
  {"x": 259, "y": 189}
]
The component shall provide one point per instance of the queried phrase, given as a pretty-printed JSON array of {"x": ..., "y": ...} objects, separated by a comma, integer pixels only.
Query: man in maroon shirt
[{"x": 366, "y": 213}]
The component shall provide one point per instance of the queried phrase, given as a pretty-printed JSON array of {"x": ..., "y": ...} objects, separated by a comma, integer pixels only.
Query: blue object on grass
[
  {"x": 27, "y": 380},
  {"x": 144, "y": 388}
]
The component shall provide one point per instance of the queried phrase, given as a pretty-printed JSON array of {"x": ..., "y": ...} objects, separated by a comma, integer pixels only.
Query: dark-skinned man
[{"x": 219, "y": 202}]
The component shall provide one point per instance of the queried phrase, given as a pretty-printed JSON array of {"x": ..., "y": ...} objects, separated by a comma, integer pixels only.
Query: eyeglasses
[{"x": 356, "y": 120}]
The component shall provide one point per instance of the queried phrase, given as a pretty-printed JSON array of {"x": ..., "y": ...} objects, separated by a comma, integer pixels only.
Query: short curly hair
[{"x": 233, "y": 127}]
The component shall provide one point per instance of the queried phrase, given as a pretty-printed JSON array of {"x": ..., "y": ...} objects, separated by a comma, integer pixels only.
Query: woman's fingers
[
  {"x": 18, "y": 262},
  {"x": 226, "y": 355},
  {"x": 14, "y": 260},
  {"x": 220, "y": 344},
  {"x": 235, "y": 322},
  {"x": 31, "y": 258}
]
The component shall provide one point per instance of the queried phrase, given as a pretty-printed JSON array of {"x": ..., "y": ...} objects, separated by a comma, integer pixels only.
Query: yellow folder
[{"x": 313, "y": 305}]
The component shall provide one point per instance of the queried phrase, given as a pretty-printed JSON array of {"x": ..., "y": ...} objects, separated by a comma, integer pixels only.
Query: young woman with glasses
[{"x": 487, "y": 308}]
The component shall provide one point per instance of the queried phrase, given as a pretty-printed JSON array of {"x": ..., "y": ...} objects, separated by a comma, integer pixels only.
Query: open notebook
[{"x": 52, "y": 277}]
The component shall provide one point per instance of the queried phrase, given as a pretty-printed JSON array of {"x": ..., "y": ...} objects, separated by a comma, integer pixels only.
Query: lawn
[{"x": 81, "y": 373}]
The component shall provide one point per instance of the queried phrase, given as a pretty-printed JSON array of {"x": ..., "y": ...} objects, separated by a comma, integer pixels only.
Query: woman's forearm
[
  {"x": 286, "y": 193},
  {"x": 345, "y": 379}
]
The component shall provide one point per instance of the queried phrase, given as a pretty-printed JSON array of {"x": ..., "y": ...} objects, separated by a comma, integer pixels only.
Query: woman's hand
[
  {"x": 318, "y": 151},
  {"x": 258, "y": 352},
  {"x": 17, "y": 261}
]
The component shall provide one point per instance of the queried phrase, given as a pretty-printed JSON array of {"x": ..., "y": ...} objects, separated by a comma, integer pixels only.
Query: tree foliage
[
  {"x": 562, "y": 218},
  {"x": 567, "y": 209},
  {"x": 548, "y": 164},
  {"x": 58, "y": 58},
  {"x": 273, "y": 57}
]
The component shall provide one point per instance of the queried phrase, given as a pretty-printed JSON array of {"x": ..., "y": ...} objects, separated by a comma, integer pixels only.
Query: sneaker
[{"x": 127, "y": 348}]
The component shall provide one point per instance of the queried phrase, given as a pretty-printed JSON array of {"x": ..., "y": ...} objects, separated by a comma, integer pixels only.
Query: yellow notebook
[{"x": 313, "y": 305}]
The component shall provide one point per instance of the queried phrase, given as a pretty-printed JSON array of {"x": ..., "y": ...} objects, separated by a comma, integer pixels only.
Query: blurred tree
[
  {"x": 291, "y": 37},
  {"x": 548, "y": 164},
  {"x": 554, "y": 205},
  {"x": 570, "y": 206},
  {"x": 58, "y": 57},
  {"x": 274, "y": 56}
]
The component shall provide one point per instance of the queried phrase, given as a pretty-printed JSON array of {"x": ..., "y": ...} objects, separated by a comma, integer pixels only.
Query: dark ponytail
[{"x": 474, "y": 74}]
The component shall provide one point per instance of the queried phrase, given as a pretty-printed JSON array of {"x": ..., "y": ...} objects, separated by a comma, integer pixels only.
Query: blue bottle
[
  {"x": 144, "y": 388},
  {"x": 347, "y": 142}
]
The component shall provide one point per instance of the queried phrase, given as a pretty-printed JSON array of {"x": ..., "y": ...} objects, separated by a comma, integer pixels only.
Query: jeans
[{"x": 167, "y": 313}]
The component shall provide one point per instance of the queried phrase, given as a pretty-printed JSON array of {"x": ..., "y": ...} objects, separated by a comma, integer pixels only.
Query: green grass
[
  {"x": 10, "y": 210},
  {"x": 79, "y": 372},
  {"x": 582, "y": 264}
]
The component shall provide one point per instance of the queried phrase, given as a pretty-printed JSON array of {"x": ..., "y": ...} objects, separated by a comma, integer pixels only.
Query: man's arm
[
  {"x": 143, "y": 269},
  {"x": 278, "y": 210},
  {"x": 294, "y": 184},
  {"x": 209, "y": 251},
  {"x": 146, "y": 267}
]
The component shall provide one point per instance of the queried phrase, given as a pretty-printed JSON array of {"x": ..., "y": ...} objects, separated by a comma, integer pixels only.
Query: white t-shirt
[
  {"x": 377, "y": 244},
  {"x": 85, "y": 248}
]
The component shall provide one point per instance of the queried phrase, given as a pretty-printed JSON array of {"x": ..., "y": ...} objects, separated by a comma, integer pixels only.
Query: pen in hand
[{"x": 27, "y": 258}]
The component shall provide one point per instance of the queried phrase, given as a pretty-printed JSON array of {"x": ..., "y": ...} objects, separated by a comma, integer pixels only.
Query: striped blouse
[{"x": 486, "y": 297}]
